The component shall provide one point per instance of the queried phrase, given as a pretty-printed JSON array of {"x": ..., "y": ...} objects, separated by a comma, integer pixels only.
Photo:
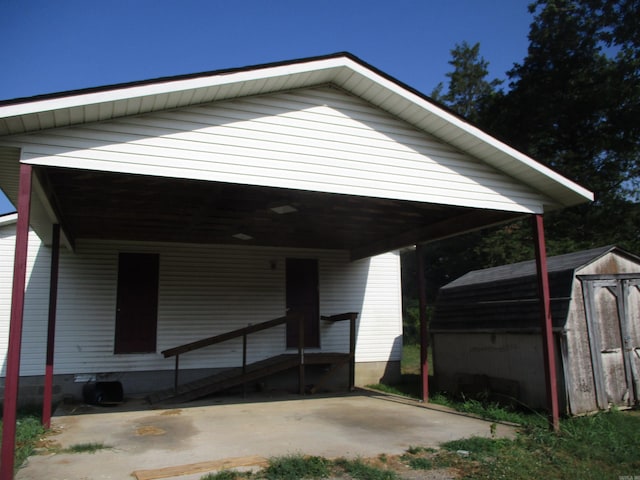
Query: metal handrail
[
  {"x": 223, "y": 337},
  {"x": 245, "y": 331},
  {"x": 240, "y": 332}
]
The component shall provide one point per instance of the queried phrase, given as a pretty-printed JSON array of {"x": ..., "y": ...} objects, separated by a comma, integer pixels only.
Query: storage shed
[{"x": 486, "y": 331}]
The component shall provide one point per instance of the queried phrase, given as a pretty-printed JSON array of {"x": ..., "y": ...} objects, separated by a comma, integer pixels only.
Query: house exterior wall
[
  {"x": 318, "y": 139},
  {"x": 204, "y": 290}
]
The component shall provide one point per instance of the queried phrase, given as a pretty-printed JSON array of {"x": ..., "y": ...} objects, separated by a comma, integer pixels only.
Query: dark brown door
[
  {"x": 302, "y": 297},
  {"x": 137, "y": 303}
]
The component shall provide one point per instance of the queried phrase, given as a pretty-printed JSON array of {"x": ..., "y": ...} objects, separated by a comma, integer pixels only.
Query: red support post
[
  {"x": 15, "y": 326},
  {"x": 352, "y": 352},
  {"x": 301, "y": 368},
  {"x": 424, "y": 334},
  {"x": 51, "y": 330},
  {"x": 546, "y": 325}
]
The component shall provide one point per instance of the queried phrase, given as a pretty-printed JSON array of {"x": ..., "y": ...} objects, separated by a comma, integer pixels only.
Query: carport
[
  {"x": 229, "y": 431},
  {"x": 111, "y": 187}
]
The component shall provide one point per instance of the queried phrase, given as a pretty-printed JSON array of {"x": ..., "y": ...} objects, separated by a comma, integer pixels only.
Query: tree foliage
[
  {"x": 573, "y": 103},
  {"x": 573, "y": 100},
  {"x": 469, "y": 90}
]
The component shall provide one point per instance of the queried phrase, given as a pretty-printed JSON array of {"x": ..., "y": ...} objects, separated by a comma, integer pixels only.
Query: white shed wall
[
  {"x": 204, "y": 290},
  {"x": 319, "y": 139}
]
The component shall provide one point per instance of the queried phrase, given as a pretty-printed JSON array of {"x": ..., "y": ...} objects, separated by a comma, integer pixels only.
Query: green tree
[
  {"x": 573, "y": 103},
  {"x": 573, "y": 100},
  {"x": 469, "y": 90}
]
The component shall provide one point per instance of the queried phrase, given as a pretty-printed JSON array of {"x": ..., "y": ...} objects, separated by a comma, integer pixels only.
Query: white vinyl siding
[
  {"x": 319, "y": 139},
  {"x": 34, "y": 330},
  {"x": 204, "y": 290}
]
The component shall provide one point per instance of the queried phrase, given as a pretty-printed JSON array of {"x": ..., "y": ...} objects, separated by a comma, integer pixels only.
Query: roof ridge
[{"x": 557, "y": 263}]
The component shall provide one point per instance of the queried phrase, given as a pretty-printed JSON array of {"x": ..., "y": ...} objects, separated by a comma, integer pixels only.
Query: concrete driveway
[{"x": 145, "y": 439}]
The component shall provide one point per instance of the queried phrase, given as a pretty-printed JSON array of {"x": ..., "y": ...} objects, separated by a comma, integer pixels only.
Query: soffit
[{"x": 97, "y": 205}]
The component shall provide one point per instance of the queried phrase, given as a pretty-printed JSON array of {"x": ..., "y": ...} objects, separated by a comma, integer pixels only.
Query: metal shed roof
[{"x": 506, "y": 297}]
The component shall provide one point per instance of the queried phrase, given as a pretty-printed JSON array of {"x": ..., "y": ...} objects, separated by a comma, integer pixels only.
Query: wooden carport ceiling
[{"x": 102, "y": 205}]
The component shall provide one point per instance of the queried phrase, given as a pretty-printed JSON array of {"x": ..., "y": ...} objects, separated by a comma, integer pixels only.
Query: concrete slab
[{"x": 359, "y": 425}]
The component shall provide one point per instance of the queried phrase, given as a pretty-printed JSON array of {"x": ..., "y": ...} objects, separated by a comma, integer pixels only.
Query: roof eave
[{"x": 343, "y": 70}]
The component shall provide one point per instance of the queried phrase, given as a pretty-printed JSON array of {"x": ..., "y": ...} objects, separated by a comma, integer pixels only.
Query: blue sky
[{"x": 51, "y": 46}]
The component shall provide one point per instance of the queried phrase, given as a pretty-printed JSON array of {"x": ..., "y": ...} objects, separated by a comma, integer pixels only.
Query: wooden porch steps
[{"x": 234, "y": 376}]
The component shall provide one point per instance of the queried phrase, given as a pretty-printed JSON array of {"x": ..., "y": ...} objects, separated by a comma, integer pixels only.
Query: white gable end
[{"x": 317, "y": 139}]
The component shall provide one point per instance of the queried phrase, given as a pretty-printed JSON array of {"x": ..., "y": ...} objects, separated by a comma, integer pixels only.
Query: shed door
[
  {"x": 612, "y": 307},
  {"x": 303, "y": 297}
]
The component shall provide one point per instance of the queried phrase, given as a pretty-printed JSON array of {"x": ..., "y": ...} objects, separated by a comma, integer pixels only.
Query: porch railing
[
  {"x": 351, "y": 316},
  {"x": 245, "y": 331},
  {"x": 241, "y": 332}
]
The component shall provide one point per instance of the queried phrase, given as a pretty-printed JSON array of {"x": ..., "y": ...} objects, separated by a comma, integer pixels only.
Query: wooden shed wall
[
  {"x": 504, "y": 354},
  {"x": 204, "y": 290},
  {"x": 507, "y": 364},
  {"x": 579, "y": 369}
]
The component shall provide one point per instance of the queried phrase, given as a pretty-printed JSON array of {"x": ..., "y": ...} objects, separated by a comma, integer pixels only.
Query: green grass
[
  {"x": 29, "y": 429},
  {"x": 602, "y": 446},
  {"x": 224, "y": 475},
  {"x": 294, "y": 467},
  {"x": 493, "y": 410},
  {"x": 360, "y": 470},
  {"x": 410, "y": 363},
  {"x": 410, "y": 383}
]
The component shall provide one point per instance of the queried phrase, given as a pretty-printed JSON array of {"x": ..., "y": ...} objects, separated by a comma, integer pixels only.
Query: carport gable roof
[
  {"x": 131, "y": 200},
  {"x": 341, "y": 69}
]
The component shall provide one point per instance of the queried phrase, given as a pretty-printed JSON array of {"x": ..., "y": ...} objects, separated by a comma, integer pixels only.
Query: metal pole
[
  {"x": 244, "y": 365},
  {"x": 548, "y": 344},
  {"x": 51, "y": 330},
  {"x": 424, "y": 334},
  {"x": 352, "y": 352},
  {"x": 15, "y": 327},
  {"x": 301, "y": 319},
  {"x": 175, "y": 374}
]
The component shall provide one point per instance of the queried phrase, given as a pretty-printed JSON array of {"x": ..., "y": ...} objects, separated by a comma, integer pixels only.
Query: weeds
[
  {"x": 360, "y": 470},
  {"x": 294, "y": 467},
  {"x": 415, "y": 450},
  {"x": 28, "y": 430},
  {"x": 605, "y": 445},
  {"x": 223, "y": 475}
]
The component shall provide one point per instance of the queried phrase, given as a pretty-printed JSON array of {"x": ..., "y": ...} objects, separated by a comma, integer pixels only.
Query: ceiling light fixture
[
  {"x": 242, "y": 236},
  {"x": 282, "y": 209}
]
